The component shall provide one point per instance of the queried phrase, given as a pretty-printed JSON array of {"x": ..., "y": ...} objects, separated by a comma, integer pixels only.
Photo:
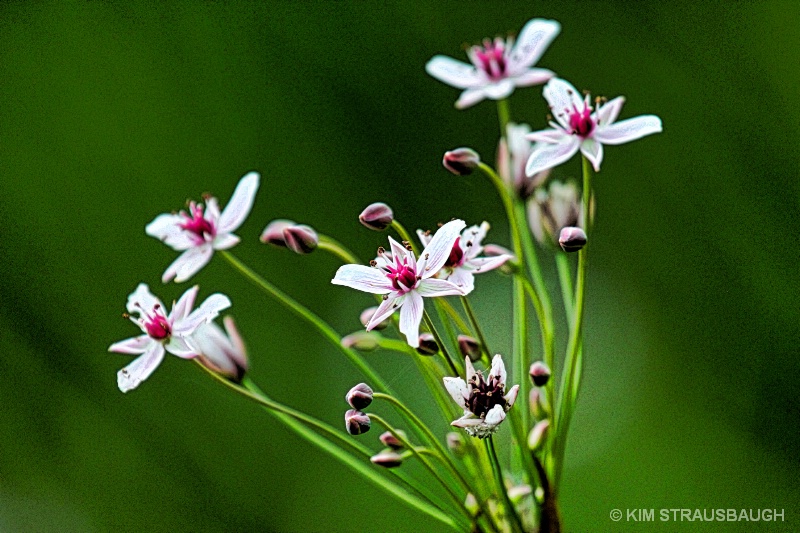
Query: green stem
[
  {"x": 295, "y": 420},
  {"x": 404, "y": 235},
  {"x": 501, "y": 486},
  {"x": 441, "y": 344},
  {"x": 454, "y": 316},
  {"x": 504, "y": 116},
  {"x": 300, "y": 310},
  {"x": 565, "y": 280},
  {"x": 333, "y": 246},
  {"x": 473, "y": 319}
]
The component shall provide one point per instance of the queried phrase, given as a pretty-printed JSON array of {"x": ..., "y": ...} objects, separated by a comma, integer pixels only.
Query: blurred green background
[{"x": 113, "y": 113}]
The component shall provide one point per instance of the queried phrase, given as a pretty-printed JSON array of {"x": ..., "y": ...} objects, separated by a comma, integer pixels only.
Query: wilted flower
[
  {"x": 498, "y": 66},
  {"x": 356, "y": 422},
  {"x": 553, "y": 209},
  {"x": 463, "y": 261},
  {"x": 202, "y": 230},
  {"x": 273, "y": 233},
  {"x": 461, "y": 161},
  {"x": 572, "y": 239},
  {"x": 483, "y": 400},
  {"x": 513, "y": 152},
  {"x": 377, "y": 216},
  {"x": 578, "y": 127},
  {"x": 404, "y": 281},
  {"x": 221, "y": 352},
  {"x": 162, "y": 332}
]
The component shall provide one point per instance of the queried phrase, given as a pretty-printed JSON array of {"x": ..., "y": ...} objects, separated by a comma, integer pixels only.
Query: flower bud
[
  {"x": 377, "y": 216},
  {"x": 273, "y": 233},
  {"x": 540, "y": 373},
  {"x": 471, "y": 504},
  {"x": 518, "y": 492},
  {"x": 389, "y": 440},
  {"x": 455, "y": 442},
  {"x": 300, "y": 239},
  {"x": 572, "y": 239},
  {"x": 356, "y": 422},
  {"x": 222, "y": 352},
  {"x": 387, "y": 459},
  {"x": 537, "y": 410},
  {"x": 363, "y": 341},
  {"x": 359, "y": 397},
  {"x": 427, "y": 344},
  {"x": 461, "y": 161},
  {"x": 367, "y": 315},
  {"x": 469, "y": 347},
  {"x": 538, "y": 434}
]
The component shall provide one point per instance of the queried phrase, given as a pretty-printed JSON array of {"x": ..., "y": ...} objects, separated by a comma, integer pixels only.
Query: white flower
[
  {"x": 404, "y": 280},
  {"x": 577, "y": 127},
  {"x": 225, "y": 354},
  {"x": 513, "y": 152},
  {"x": 483, "y": 402},
  {"x": 202, "y": 230},
  {"x": 162, "y": 332},
  {"x": 463, "y": 262},
  {"x": 498, "y": 66}
]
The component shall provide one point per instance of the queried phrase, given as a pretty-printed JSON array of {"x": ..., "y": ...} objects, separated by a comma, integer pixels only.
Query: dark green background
[{"x": 113, "y": 113}]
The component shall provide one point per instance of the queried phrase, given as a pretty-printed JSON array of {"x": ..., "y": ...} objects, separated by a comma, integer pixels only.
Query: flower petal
[
  {"x": 183, "y": 347},
  {"x": 207, "y": 312},
  {"x": 609, "y": 111},
  {"x": 362, "y": 278},
  {"x": 133, "y": 345},
  {"x": 398, "y": 250},
  {"x": 463, "y": 279},
  {"x": 212, "y": 344},
  {"x": 470, "y": 97},
  {"x": 469, "y": 369},
  {"x": 468, "y": 421},
  {"x": 142, "y": 300},
  {"x": 546, "y": 156},
  {"x": 184, "y": 305},
  {"x": 188, "y": 264},
  {"x": 410, "y": 317},
  {"x": 500, "y": 89},
  {"x": 495, "y": 415},
  {"x": 239, "y": 354},
  {"x": 458, "y": 390},
  {"x": 553, "y": 136},
  {"x": 167, "y": 229},
  {"x": 388, "y": 306},
  {"x": 424, "y": 237},
  {"x": 225, "y": 241},
  {"x": 534, "y": 76},
  {"x": 628, "y": 130},
  {"x": 433, "y": 287},
  {"x": 593, "y": 150},
  {"x": 485, "y": 264},
  {"x": 435, "y": 255},
  {"x": 533, "y": 40},
  {"x": 140, "y": 369},
  {"x": 240, "y": 204},
  {"x": 562, "y": 97},
  {"x": 498, "y": 369},
  {"x": 454, "y": 73},
  {"x": 511, "y": 397}
]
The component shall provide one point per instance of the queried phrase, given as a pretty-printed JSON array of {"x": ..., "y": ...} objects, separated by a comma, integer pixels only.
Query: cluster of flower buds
[
  {"x": 299, "y": 238},
  {"x": 359, "y": 398}
]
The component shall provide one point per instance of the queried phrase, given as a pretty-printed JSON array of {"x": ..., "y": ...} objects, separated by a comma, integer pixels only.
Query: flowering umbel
[
  {"x": 578, "y": 126},
  {"x": 404, "y": 280},
  {"x": 162, "y": 332},
  {"x": 203, "y": 229},
  {"x": 483, "y": 400},
  {"x": 499, "y": 65}
]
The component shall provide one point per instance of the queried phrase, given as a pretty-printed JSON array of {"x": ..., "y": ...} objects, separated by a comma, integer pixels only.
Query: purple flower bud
[
  {"x": 273, "y": 233},
  {"x": 538, "y": 435},
  {"x": 360, "y": 396},
  {"x": 367, "y": 315},
  {"x": 300, "y": 239},
  {"x": 455, "y": 442},
  {"x": 469, "y": 347},
  {"x": 572, "y": 239},
  {"x": 427, "y": 344},
  {"x": 387, "y": 459},
  {"x": 363, "y": 341},
  {"x": 461, "y": 161},
  {"x": 391, "y": 441},
  {"x": 537, "y": 409},
  {"x": 356, "y": 422},
  {"x": 540, "y": 373},
  {"x": 377, "y": 216}
]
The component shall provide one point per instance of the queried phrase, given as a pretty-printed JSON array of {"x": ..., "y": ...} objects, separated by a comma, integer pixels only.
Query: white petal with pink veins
[
  {"x": 184, "y": 305},
  {"x": 593, "y": 151},
  {"x": 628, "y": 130},
  {"x": 562, "y": 97},
  {"x": 531, "y": 43},
  {"x": 140, "y": 369},
  {"x": 208, "y": 311},
  {"x": 433, "y": 287},
  {"x": 225, "y": 241},
  {"x": 470, "y": 97},
  {"x": 410, "y": 317},
  {"x": 534, "y": 76},
  {"x": 188, "y": 264},
  {"x": 546, "y": 156},
  {"x": 142, "y": 301},
  {"x": 240, "y": 204},
  {"x": 458, "y": 390},
  {"x": 435, "y": 255},
  {"x": 388, "y": 306},
  {"x": 454, "y": 73},
  {"x": 498, "y": 369},
  {"x": 363, "y": 278},
  {"x": 609, "y": 111},
  {"x": 167, "y": 229},
  {"x": 133, "y": 345}
]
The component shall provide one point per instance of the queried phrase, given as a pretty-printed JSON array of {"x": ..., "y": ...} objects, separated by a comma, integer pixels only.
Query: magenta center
[
  {"x": 581, "y": 122},
  {"x": 403, "y": 277},
  {"x": 456, "y": 256},
  {"x": 491, "y": 58},
  {"x": 202, "y": 229},
  {"x": 157, "y": 325}
]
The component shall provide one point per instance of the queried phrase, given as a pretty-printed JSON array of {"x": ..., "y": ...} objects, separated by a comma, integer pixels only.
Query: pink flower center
[
  {"x": 581, "y": 122},
  {"x": 456, "y": 256},
  {"x": 201, "y": 228},
  {"x": 403, "y": 277},
  {"x": 156, "y": 324},
  {"x": 491, "y": 58}
]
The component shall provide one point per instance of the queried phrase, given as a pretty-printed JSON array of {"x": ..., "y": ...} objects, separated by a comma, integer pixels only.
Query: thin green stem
[
  {"x": 441, "y": 344},
  {"x": 333, "y": 246},
  {"x": 516, "y": 523},
  {"x": 404, "y": 235},
  {"x": 503, "y": 116},
  {"x": 295, "y": 420},
  {"x": 565, "y": 280},
  {"x": 476, "y": 327},
  {"x": 327, "y": 331},
  {"x": 454, "y": 316}
]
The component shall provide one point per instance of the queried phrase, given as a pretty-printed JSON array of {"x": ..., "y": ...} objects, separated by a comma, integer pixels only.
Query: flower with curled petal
[
  {"x": 483, "y": 400},
  {"x": 499, "y": 65},
  {"x": 578, "y": 126},
  {"x": 404, "y": 280},
  {"x": 162, "y": 332},
  {"x": 223, "y": 352},
  {"x": 463, "y": 262},
  {"x": 203, "y": 229}
]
